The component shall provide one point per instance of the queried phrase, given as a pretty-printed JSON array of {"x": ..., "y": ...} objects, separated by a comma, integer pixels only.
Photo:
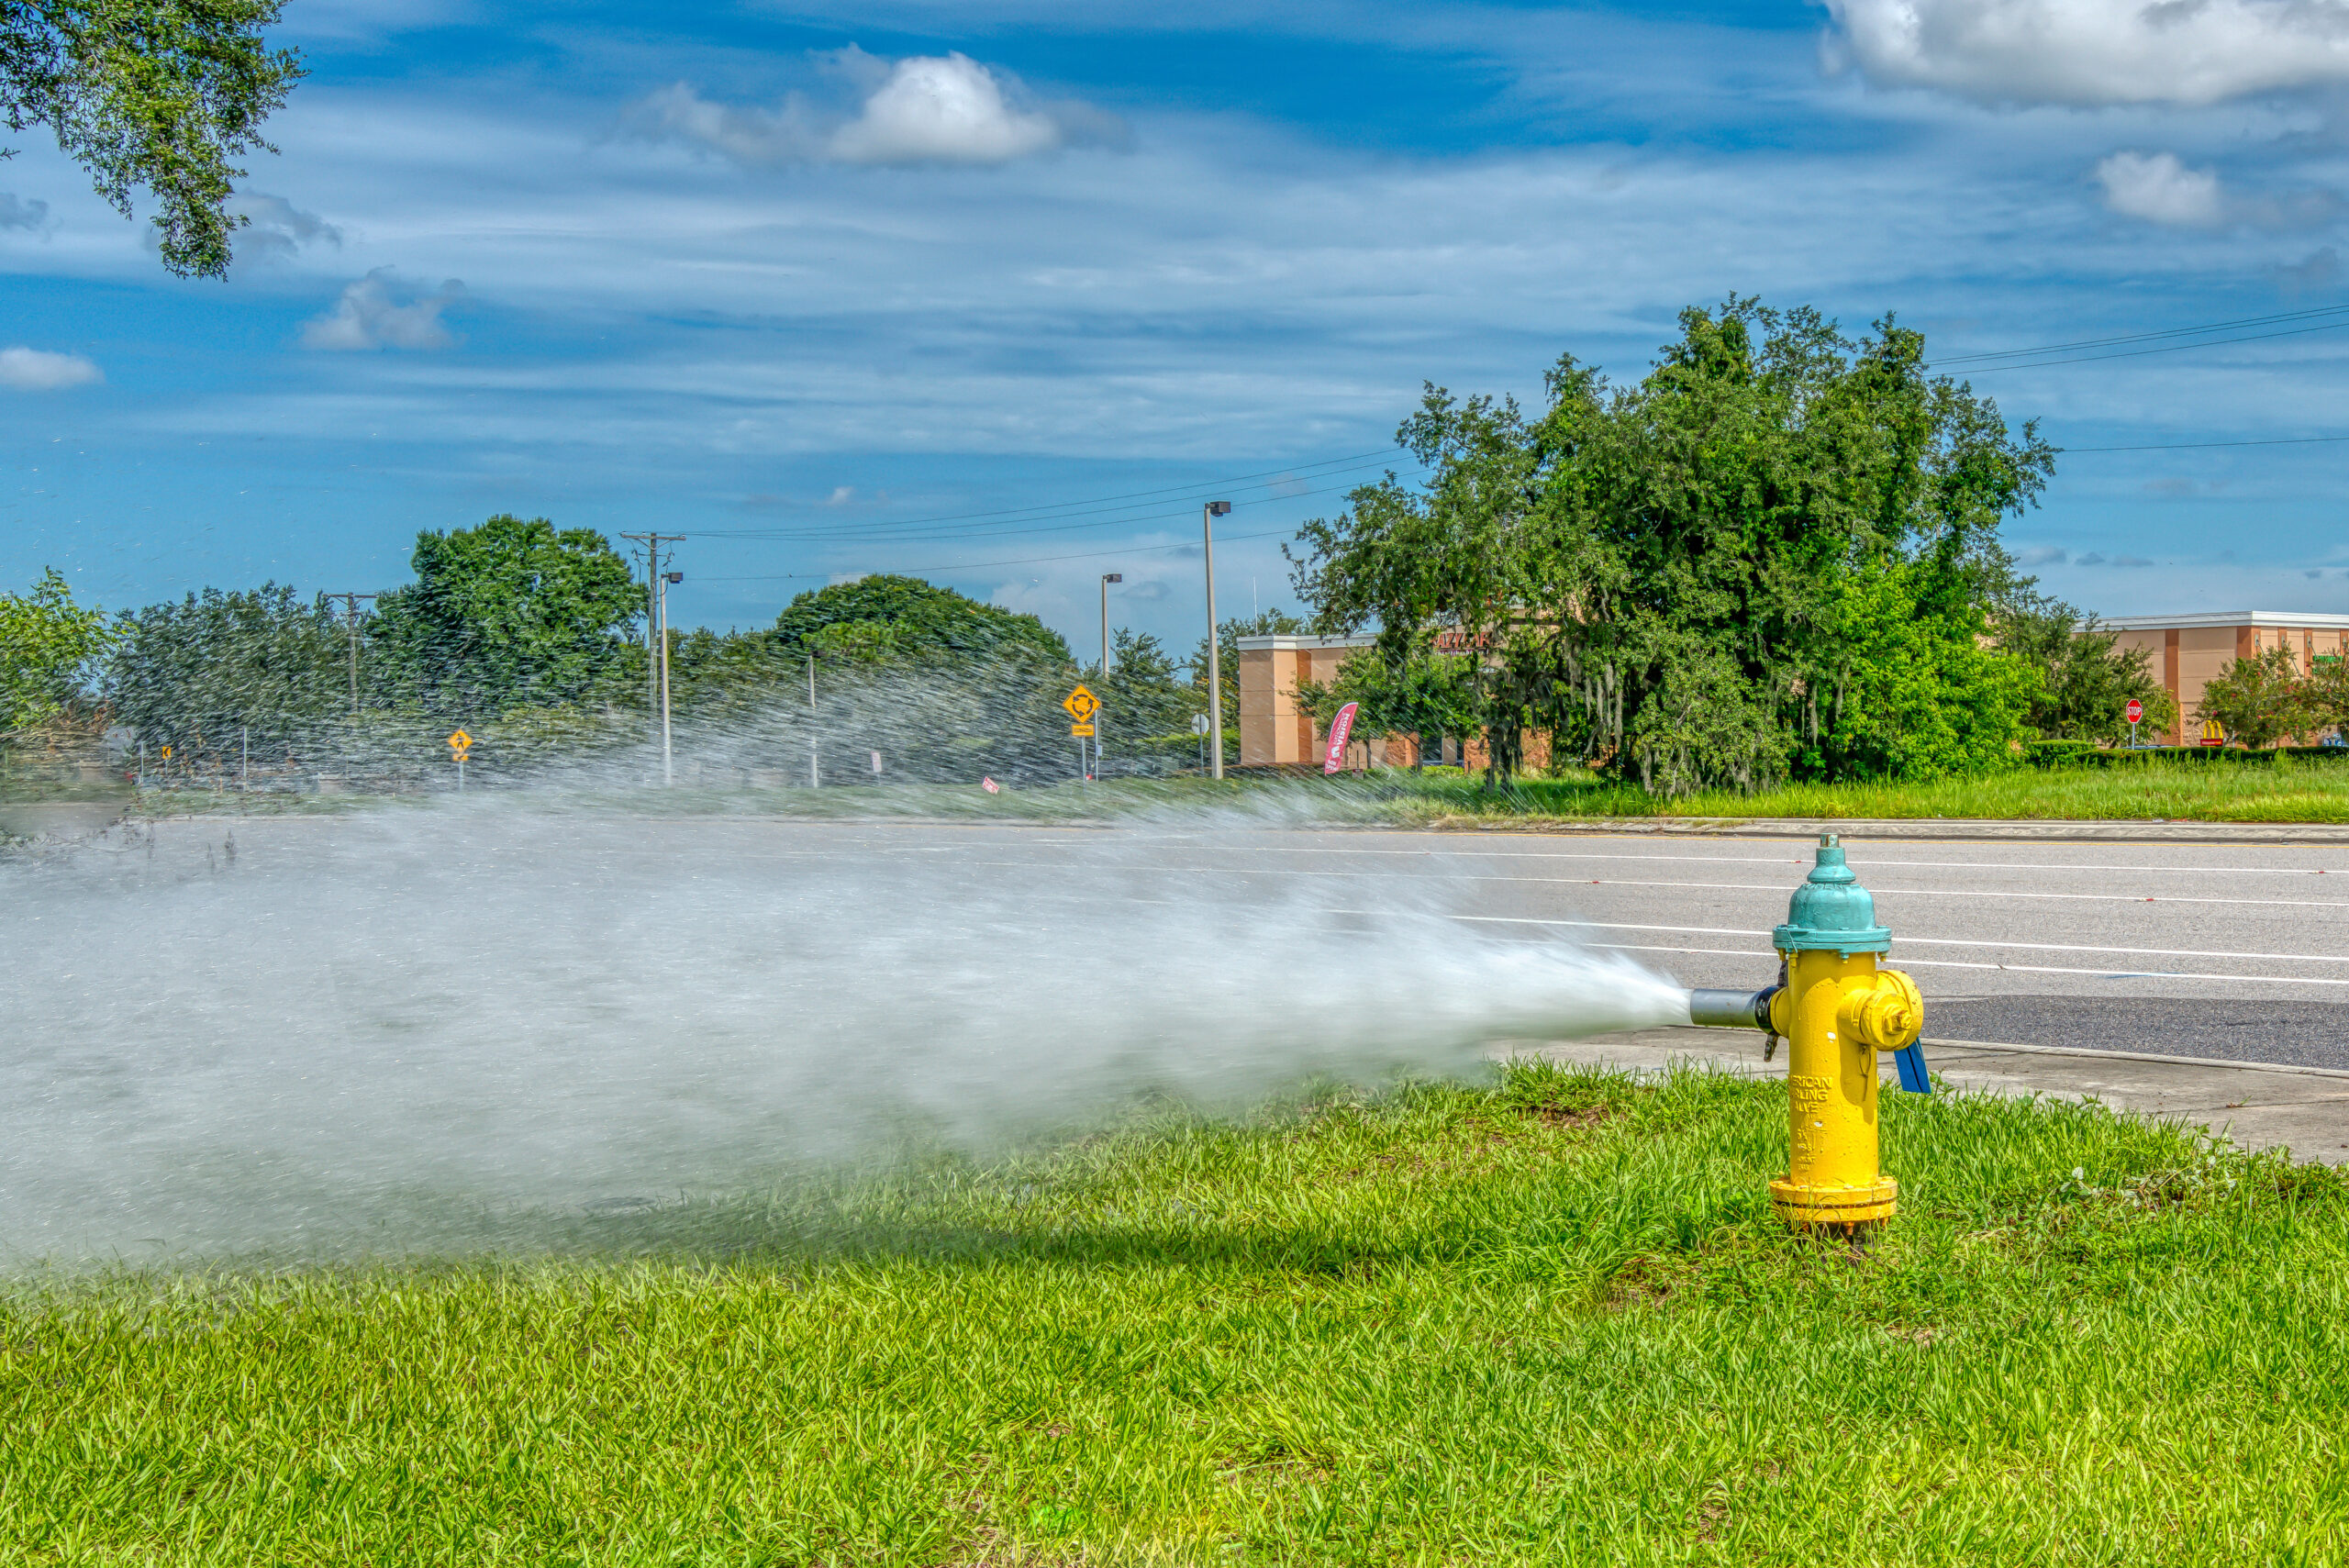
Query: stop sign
[{"x": 2136, "y": 710}]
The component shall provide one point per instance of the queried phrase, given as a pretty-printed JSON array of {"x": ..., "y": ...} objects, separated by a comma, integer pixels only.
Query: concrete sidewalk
[{"x": 2259, "y": 1106}]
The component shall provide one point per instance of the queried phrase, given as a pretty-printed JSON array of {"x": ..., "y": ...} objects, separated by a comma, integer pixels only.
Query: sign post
[
  {"x": 1340, "y": 729},
  {"x": 458, "y": 744},
  {"x": 1082, "y": 706},
  {"x": 2136, "y": 711}
]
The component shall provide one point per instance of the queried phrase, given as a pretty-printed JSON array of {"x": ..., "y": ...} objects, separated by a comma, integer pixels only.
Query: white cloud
[
  {"x": 275, "y": 228},
  {"x": 943, "y": 110},
  {"x": 2317, "y": 272},
  {"x": 16, "y": 212},
  {"x": 369, "y": 317},
  {"x": 36, "y": 369},
  {"x": 923, "y": 110},
  {"x": 2159, "y": 189},
  {"x": 754, "y": 136},
  {"x": 2096, "y": 52}
]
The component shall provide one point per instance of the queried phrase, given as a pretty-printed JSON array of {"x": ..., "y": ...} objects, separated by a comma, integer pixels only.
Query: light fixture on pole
[{"x": 1209, "y": 513}]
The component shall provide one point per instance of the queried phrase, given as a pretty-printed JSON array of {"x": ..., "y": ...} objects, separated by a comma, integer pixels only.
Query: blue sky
[{"x": 857, "y": 289}]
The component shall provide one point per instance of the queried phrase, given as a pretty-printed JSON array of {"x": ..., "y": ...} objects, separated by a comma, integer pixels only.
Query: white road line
[
  {"x": 1906, "y": 939},
  {"x": 1856, "y": 860},
  {"x": 1781, "y": 888},
  {"x": 1870, "y": 860},
  {"x": 1778, "y": 888},
  {"x": 2014, "y": 968},
  {"x": 1874, "y": 857}
]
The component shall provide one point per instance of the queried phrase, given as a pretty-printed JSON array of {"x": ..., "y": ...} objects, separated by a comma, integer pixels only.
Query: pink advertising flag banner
[{"x": 1341, "y": 727}]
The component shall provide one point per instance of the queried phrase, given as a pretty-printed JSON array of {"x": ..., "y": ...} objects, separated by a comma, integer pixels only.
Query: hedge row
[{"x": 2088, "y": 754}]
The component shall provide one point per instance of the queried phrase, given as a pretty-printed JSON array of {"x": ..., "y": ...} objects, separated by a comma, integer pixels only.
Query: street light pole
[
  {"x": 1208, "y": 514},
  {"x": 1107, "y": 578}
]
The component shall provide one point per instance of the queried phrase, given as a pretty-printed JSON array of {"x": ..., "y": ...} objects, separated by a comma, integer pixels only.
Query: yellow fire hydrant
[{"x": 1836, "y": 1009}]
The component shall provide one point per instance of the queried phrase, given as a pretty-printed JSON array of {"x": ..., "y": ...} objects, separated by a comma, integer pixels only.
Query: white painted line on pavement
[
  {"x": 1781, "y": 888},
  {"x": 1871, "y": 859},
  {"x": 1907, "y": 940},
  {"x": 2011, "y": 968}
]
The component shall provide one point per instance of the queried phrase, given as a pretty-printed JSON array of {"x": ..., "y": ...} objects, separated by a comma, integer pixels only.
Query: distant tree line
[{"x": 531, "y": 636}]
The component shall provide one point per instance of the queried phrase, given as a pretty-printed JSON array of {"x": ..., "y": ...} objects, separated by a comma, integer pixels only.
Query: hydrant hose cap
[
  {"x": 1831, "y": 912},
  {"x": 1884, "y": 1014}
]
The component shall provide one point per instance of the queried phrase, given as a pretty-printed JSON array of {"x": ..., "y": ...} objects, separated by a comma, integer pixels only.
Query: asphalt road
[{"x": 2195, "y": 950}]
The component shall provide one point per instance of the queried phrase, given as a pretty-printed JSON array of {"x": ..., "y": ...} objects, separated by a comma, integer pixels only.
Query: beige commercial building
[
  {"x": 1273, "y": 728},
  {"x": 1275, "y": 732},
  {"x": 2185, "y": 652}
]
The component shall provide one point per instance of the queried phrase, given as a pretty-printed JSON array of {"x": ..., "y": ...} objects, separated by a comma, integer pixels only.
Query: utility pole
[
  {"x": 814, "y": 781},
  {"x": 1208, "y": 514},
  {"x": 668, "y": 761},
  {"x": 350, "y": 621},
  {"x": 656, "y": 638}
]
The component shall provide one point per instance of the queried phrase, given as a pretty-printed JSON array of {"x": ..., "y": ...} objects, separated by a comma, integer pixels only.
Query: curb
[
  {"x": 1982, "y": 828},
  {"x": 2088, "y": 1053}
]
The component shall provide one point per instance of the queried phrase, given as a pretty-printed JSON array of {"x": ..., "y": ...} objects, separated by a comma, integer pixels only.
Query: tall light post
[
  {"x": 815, "y": 776},
  {"x": 1208, "y": 514},
  {"x": 1107, "y": 578}
]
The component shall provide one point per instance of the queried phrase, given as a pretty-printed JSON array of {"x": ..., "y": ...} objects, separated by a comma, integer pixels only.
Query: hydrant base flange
[{"x": 1866, "y": 1205}]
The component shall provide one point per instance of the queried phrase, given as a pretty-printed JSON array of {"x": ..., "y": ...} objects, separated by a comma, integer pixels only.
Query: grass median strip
[
  {"x": 1548, "y": 1321},
  {"x": 2286, "y": 790}
]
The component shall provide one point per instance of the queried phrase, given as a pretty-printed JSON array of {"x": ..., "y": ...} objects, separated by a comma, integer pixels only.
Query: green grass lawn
[
  {"x": 2289, "y": 790},
  {"x": 1552, "y": 1322}
]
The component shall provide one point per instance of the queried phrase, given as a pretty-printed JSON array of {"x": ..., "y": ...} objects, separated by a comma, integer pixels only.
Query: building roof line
[
  {"x": 1291, "y": 642},
  {"x": 2309, "y": 620}
]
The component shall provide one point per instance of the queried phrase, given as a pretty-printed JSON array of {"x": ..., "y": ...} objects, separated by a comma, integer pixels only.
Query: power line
[
  {"x": 1112, "y": 510},
  {"x": 2139, "y": 354},
  {"x": 2198, "y": 445},
  {"x": 983, "y": 566},
  {"x": 2143, "y": 337},
  {"x": 856, "y": 536},
  {"x": 1053, "y": 510}
]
